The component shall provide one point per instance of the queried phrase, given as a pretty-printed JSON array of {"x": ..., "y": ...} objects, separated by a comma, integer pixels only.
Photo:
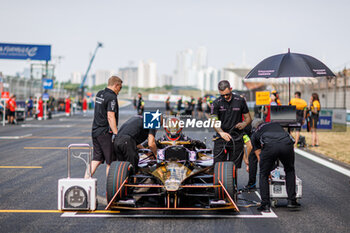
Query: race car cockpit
[{"x": 182, "y": 176}]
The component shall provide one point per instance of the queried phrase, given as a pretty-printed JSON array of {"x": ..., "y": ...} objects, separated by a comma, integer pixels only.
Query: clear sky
[{"x": 156, "y": 29}]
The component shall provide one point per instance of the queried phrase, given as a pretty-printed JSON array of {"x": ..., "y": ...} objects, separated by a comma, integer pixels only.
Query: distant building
[
  {"x": 102, "y": 76},
  {"x": 208, "y": 79},
  {"x": 235, "y": 76},
  {"x": 90, "y": 82},
  {"x": 190, "y": 67},
  {"x": 201, "y": 58},
  {"x": 147, "y": 74},
  {"x": 76, "y": 77},
  {"x": 184, "y": 62},
  {"x": 164, "y": 80},
  {"x": 129, "y": 75}
]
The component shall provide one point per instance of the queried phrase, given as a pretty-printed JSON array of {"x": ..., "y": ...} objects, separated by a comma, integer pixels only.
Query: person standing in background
[
  {"x": 200, "y": 108},
  {"x": 67, "y": 101},
  {"x": 167, "y": 106},
  {"x": 301, "y": 107},
  {"x": 12, "y": 109},
  {"x": 140, "y": 104},
  {"x": 315, "y": 108},
  {"x": 30, "y": 105}
]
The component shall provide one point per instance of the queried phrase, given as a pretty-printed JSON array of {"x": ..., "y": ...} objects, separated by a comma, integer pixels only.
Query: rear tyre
[
  {"x": 225, "y": 172},
  {"x": 118, "y": 172}
]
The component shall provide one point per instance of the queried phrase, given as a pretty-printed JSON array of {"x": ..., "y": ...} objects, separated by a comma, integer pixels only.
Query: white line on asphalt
[
  {"x": 75, "y": 215},
  {"x": 46, "y": 126},
  {"x": 15, "y": 137},
  {"x": 80, "y": 120},
  {"x": 323, "y": 162},
  {"x": 92, "y": 215},
  {"x": 273, "y": 215}
]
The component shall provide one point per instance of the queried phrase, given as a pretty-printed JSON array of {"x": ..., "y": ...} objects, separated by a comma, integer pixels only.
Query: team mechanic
[
  {"x": 130, "y": 136},
  {"x": 104, "y": 126},
  {"x": 229, "y": 109},
  {"x": 270, "y": 143}
]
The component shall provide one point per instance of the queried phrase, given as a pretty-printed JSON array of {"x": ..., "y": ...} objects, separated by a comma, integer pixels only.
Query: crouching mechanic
[
  {"x": 130, "y": 136},
  {"x": 271, "y": 142}
]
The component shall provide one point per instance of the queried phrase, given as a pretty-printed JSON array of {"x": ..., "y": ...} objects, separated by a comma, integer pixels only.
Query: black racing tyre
[
  {"x": 225, "y": 172},
  {"x": 118, "y": 172}
]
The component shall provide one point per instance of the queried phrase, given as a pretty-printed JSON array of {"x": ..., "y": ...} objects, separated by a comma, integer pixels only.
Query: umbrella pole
[{"x": 289, "y": 89}]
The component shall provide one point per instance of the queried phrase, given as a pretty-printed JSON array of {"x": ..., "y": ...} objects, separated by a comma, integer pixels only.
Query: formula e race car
[{"x": 182, "y": 176}]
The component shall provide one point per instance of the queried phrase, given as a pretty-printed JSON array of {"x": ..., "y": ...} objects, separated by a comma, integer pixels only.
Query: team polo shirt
[
  {"x": 299, "y": 104},
  {"x": 106, "y": 101},
  {"x": 229, "y": 113},
  {"x": 315, "y": 105}
]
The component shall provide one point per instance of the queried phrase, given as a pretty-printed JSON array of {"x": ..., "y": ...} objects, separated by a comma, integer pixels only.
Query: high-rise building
[
  {"x": 129, "y": 75},
  {"x": 189, "y": 65},
  {"x": 184, "y": 62},
  {"x": 211, "y": 77},
  {"x": 147, "y": 74},
  {"x": 201, "y": 58},
  {"x": 102, "y": 76},
  {"x": 164, "y": 80}
]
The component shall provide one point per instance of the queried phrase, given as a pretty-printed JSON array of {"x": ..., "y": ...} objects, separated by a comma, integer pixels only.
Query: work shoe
[
  {"x": 293, "y": 204},
  {"x": 264, "y": 208},
  {"x": 249, "y": 187}
]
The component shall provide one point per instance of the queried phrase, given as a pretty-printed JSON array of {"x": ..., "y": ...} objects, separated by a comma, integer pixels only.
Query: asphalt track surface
[{"x": 33, "y": 158}]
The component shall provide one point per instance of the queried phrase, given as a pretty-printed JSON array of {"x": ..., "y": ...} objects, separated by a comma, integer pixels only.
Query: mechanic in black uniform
[
  {"x": 229, "y": 108},
  {"x": 104, "y": 126},
  {"x": 270, "y": 143},
  {"x": 130, "y": 136},
  {"x": 167, "y": 106},
  {"x": 140, "y": 104}
]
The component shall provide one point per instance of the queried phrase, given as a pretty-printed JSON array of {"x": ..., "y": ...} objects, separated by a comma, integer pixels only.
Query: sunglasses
[{"x": 224, "y": 95}]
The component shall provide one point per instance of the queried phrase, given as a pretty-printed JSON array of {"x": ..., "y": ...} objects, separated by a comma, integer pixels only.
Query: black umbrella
[{"x": 290, "y": 65}]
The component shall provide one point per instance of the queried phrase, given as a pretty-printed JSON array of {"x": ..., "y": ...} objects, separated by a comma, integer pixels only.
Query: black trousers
[
  {"x": 268, "y": 157},
  {"x": 226, "y": 151},
  {"x": 253, "y": 167},
  {"x": 125, "y": 150}
]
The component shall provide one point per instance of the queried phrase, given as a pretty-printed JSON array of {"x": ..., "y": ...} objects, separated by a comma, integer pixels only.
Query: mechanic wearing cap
[
  {"x": 301, "y": 107},
  {"x": 229, "y": 109},
  {"x": 130, "y": 136},
  {"x": 104, "y": 126},
  {"x": 270, "y": 143}
]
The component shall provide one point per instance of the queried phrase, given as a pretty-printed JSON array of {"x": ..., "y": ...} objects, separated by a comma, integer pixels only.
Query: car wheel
[
  {"x": 118, "y": 172},
  {"x": 225, "y": 172}
]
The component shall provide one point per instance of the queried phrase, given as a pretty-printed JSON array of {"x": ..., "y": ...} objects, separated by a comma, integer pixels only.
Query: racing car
[{"x": 182, "y": 176}]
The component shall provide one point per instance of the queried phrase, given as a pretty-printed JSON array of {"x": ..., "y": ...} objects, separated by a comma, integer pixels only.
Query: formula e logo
[{"x": 151, "y": 120}]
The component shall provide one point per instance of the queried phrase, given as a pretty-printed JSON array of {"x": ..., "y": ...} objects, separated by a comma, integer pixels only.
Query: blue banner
[
  {"x": 47, "y": 83},
  {"x": 46, "y": 97},
  {"x": 324, "y": 122},
  {"x": 25, "y": 51}
]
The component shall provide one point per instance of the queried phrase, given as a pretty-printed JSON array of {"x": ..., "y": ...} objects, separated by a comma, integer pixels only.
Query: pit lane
[{"x": 28, "y": 197}]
